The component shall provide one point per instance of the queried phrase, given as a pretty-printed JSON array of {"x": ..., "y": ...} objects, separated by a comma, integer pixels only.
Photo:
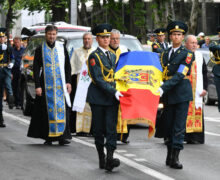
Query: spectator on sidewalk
[
  {"x": 207, "y": 43},
  {"x": 18, "y": 51}
]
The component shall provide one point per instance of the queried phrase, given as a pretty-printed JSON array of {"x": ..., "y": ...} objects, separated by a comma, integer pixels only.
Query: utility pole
[
  {"x": 73, "y": 12},
  {"x": 2, "y": 17},
  {"x": 204, "y": 24}
]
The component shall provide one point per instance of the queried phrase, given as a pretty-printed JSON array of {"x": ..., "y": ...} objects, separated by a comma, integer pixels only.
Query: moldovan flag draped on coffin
[{"x": 138, "y": 76}]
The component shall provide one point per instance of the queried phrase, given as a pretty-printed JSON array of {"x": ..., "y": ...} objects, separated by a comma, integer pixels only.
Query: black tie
[
  {"x": 107, "y": 54},
  {"x": 172, "y": 54}
]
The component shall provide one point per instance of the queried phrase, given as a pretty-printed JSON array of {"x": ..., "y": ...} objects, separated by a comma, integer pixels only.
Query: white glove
[
  {"x": 10, "y": 66},
  {"x": 4, "y": 47},
  {"x": 117, "y": 95},
  {"x": 160, "y": 90}
]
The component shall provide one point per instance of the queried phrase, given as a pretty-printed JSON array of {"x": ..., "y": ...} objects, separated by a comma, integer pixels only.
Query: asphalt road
[{"x": 23, "y": 158}]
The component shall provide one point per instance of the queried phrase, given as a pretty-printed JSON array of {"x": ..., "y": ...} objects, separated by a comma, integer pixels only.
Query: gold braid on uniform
[
  {"x": 158, "y": 45},
  {"x": 1, "y": 56},
  {"x": 110, "y": 76},
  {"x": 165, "y": 70},
  {"x": 215, "y": 57}
]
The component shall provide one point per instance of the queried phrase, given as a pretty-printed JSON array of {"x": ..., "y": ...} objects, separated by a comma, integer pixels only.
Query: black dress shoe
[
  {"x": 111, "y": 162},
  {"x": 102, "y": 161},
  {"x": 49, "y": 143},
  {"x": 18, "y": 107},
  {"x": 125, "y": 141},
  {"x": 64, "y": 142},
  {"x": 2, "y": 125},
  {"x": 193, "y": 142},
  {"x": 11, "y": 101},
  {"x": 175, "y": 163}
]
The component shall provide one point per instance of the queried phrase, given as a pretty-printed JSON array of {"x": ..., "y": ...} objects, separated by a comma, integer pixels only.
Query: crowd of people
[
  {"x": 10, "y": 71},
  {"x": 56, "y": 76}
]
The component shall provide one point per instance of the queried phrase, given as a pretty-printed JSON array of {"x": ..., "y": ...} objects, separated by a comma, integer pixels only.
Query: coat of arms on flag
[{"x": 138, "y": 76}]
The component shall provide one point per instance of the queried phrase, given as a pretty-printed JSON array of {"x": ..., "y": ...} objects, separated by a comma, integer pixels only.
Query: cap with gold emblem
[
  {"x": 102, "y": 30},
  {"x": 177, "y": 26},
  {"x": 160, "y": 31},
  {"x": 2, "y": 32}
]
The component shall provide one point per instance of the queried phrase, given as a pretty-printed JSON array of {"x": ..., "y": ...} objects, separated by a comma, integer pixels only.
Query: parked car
[
  {"x": 61, "y": 26},
  {"x": 73, "y": 40},
  {"x": 211, "y": 96}
]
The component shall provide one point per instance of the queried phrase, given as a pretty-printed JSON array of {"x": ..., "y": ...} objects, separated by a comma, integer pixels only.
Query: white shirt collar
[
  {"x": 174, "y": 49},
  {"x": 103, "y": 50}
]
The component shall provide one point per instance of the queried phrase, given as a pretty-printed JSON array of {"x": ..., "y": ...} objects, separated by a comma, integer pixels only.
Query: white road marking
[
  {"x": 212, "y": 134},
  {"x": 212, "y": 119},
  {"x": 91, "y": 140},
  {"x": 129, "y": 155},
  {"x": 24, "y": 121},
  {"x": 140, "y": 159},
  {"x": 129, "y": 162},
  {"x": 121, "y": 151},
  {"x": 132, "y": 163}
]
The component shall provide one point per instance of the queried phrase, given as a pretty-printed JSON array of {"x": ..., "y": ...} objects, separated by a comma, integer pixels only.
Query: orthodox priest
[{"x": 52, "y": 77}]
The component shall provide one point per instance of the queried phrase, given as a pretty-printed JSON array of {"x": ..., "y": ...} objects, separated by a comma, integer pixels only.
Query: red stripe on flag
[{"x": 139, "y": 104}]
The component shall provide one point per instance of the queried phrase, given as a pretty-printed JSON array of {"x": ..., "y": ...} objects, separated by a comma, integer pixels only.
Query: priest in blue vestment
[{"x": 52, "y": 77}]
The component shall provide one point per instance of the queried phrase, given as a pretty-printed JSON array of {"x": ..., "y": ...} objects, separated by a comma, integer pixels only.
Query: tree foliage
[
  {"x": 57, "y": 8},
  {"x": 129, "y": 17}
]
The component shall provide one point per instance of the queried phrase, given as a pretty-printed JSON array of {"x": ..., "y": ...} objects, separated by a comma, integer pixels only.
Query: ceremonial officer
[
  {"x": 6, "y": 64},
  {"x": 176, "y": 90},
  {"x": 215, "y": 49},
  {"x": 160, "y": 45},
  {"x": 103, "y": 97}
]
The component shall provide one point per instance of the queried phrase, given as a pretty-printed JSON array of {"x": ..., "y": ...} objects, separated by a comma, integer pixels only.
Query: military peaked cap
[
  {"x": 102, "y": 30},
  {"x": 2, "y": 32},
  {"x": 160, "y": 31},
  {"x": 177, "y": 26}
]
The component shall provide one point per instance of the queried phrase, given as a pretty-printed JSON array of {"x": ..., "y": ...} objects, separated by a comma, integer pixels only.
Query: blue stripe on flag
[{"x": 139, "y": 58}]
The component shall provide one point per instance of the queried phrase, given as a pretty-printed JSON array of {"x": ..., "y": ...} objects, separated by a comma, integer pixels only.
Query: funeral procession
[{"x": 110, "y": 89}]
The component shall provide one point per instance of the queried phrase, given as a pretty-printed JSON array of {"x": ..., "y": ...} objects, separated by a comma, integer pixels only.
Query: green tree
[
  {"x": 57, "y": 8},
  {"x": 10, "y": 8},
  {"x": 163, "y": 12}
]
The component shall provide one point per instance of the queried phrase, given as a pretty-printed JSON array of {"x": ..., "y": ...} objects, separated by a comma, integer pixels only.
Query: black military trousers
[
  {"x": 104, "y": 122},
  {"x": 5, "y": 82},
  {"x": 176, "y": 124},
  {"x": 16, "y": 86},
  {"x": 217, "y": 84}
]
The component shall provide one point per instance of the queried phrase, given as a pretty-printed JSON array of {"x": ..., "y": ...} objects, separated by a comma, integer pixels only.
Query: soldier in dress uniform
[
  {"x": 6, "y": 64},
  {"x": 151, "y": 38},
  {"x": 103, "y": 97},
  {"x": 176, "y": 90},
  {"x": 160, "y": 45},
  {"x": 215, "y": 49}
]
